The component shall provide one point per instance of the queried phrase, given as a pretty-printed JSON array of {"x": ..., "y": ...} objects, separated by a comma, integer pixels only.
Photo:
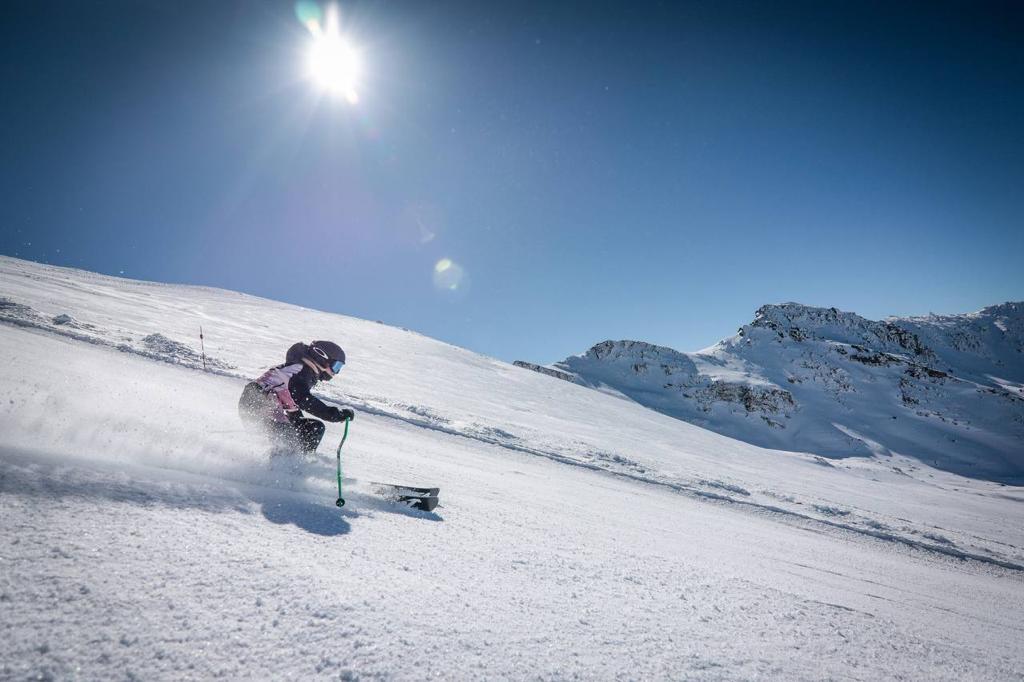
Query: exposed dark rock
[
  {"x": 752, "y": 398},
  {"x": 557, "y": 374}
]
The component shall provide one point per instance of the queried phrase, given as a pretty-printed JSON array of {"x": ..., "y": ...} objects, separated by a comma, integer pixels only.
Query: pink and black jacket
[{"x": 282, "y": 393}]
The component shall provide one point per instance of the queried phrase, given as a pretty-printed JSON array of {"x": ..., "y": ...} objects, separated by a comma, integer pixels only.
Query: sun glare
[
  {"x": 332, "y": 61},
  {"x": 448, "y": 275}
]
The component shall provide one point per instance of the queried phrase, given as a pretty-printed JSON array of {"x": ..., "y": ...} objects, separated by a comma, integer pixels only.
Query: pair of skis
[{"x": 424, "y": 499}]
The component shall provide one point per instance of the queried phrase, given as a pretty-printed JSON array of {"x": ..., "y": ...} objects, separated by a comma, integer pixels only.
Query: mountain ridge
[{"x": 946, "y": 389}]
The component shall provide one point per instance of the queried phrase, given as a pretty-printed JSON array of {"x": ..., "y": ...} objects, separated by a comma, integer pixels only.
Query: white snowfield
[{"x": 145, "y": 535}]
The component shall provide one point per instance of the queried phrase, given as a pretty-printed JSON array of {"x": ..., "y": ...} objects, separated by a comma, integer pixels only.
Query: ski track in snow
[
  {"x": 144, "y": 536},
  {"x": 693, "y": 491}
]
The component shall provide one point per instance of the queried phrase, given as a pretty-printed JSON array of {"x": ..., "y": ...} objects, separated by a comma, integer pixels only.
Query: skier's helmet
[{"x": 328, "y": 356}]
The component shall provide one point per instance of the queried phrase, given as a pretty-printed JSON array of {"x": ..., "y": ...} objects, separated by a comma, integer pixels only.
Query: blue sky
[{"x": 651, "y": 171}]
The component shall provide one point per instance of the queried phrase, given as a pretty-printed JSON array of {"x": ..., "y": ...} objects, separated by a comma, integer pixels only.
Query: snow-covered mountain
[
  {"x": 947, "y": 390},
  {"x": 145, "y": 534}
]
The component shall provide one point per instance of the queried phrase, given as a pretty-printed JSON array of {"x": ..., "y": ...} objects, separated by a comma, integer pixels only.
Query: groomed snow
[{"x": 145, "y": 535}]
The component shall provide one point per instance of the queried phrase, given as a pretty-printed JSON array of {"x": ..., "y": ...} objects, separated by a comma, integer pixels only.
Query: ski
[
  {"x": 394, "y": 488},
  {"x": 425, "y": 499},
  {"x": 421, "y": 503}
]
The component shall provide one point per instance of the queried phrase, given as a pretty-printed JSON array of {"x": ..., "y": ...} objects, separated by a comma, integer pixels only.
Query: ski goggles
[{"x": 334, "y": 366}]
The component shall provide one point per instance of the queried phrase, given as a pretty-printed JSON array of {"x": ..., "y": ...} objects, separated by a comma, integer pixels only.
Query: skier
[{"x": 275, "y": 401}]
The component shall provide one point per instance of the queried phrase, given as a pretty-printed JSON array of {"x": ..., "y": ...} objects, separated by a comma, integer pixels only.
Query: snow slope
[
  {"x": 947, "y": 391},
  {"x": 144, "y": 534}
]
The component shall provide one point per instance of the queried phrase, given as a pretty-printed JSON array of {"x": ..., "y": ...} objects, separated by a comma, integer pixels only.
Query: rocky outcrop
[
  {"x": 800, "y": 322},
  {"x": 557, "y": 374},
  {"x": 761, "y": 399}
]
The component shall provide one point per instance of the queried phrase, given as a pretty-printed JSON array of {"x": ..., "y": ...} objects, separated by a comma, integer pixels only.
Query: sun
[{"x": 333, "y": 63}]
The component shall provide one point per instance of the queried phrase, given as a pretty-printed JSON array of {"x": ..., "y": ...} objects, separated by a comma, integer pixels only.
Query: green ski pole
[{"x": 341, "y": 500}]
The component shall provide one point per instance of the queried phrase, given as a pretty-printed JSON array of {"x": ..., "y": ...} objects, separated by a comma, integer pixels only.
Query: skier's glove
[{"x": 346, "y": 415}]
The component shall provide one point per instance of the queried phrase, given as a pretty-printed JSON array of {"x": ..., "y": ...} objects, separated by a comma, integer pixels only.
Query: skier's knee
[{"x": 312, "y": 432}]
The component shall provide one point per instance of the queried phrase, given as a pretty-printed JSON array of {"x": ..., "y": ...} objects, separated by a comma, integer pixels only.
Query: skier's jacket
[{"x": 281, "y": 393}]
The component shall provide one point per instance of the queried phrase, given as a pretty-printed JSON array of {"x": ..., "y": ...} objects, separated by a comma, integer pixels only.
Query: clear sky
[{"x": 651, "y": 171}]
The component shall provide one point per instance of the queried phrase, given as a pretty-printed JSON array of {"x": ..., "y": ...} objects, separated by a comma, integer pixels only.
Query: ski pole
[{"x": 341, "y": 500}]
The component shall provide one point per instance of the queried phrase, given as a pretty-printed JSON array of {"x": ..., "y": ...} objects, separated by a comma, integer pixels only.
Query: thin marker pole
[{"x": 202, "y": 346}]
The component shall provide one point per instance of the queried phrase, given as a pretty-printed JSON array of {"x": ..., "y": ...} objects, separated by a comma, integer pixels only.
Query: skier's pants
[{"x": 303, "y": 434}]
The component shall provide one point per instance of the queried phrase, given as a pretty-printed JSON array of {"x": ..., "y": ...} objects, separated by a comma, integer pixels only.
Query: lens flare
[
  {"x": 309, "y": 14},
  {"x": 421, "y": 222},
  {"x": 448, "y": 275}
]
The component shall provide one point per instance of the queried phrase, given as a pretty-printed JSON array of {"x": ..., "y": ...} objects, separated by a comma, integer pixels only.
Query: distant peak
[
  {"x": 1008, "y": 309},
  {"x": 787, "y": 315},
  {"x": 799, "y": 322},
  {"x": 610, "y": 348}
]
